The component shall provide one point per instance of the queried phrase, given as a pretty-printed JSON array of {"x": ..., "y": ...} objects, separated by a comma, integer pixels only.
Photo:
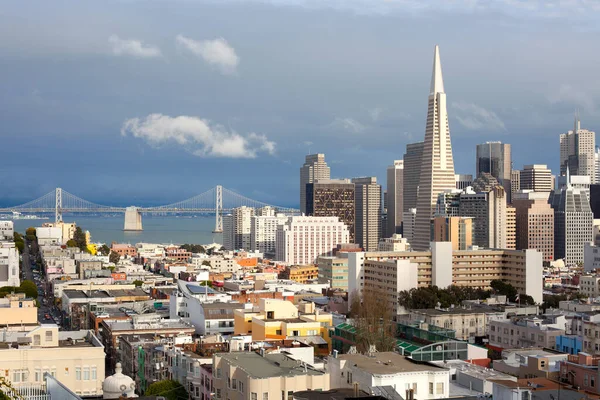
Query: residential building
[
  {"x": 582, "y": 371},
  {"x": 314, "y": 168},
  {"x": 301, "y": 240},
  {"x": 300, "y": 273},
  {"x": 523, "y": 332},
  {"x": 467, "y": 323},
  {"x": 178, "y": 254},
  {"x": 494, "y": 158},
  {"x": 75, "y": 358},
  {"x": 437, "y": 168},
  {"x": 589, "y": 285},
  {"x": 515, "y": 182},
  {"x": 333, "y": 198},
  {"x": 334, "y": 271},
  {"x": 577, "y": 152},
  {"x": 124, "y": 249},
  {"x": 591, "y": 257},
  {"x": 408, "y": 224},
  {"x": 7, "y": 230},
  {"x": 367, "y": 203},
  {"x": 249, "y": 375},
  {"x": 536, "y": 177},
  {"x": 573, "y": 220},
  {"x": 413, "y": 158},
  {"x": 237, "y": 228},
  {"x": 49, "y": 235},
  {"x": 394, "y": 243},
  {"x": 463, "y": 181},
  {"x": 511, "y": 227},
  {"x": 531, "y": 388},
  {"x": 263, "y": 232},
  {"x": 395, "y": 197},
  {"x": 371, "y": 371},
  {"x": 457, "y": 230},
  {"x": 9, "y": 264},
  {"x": 531, "y": 363},
  {"x": 388, "y": 272},
  {"x": 18, "y": 311},
  {"x": 534, "y": 222}
]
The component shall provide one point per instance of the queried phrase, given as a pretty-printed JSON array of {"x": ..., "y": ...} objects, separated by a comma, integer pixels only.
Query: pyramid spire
[{"x": 437, "y": 82}]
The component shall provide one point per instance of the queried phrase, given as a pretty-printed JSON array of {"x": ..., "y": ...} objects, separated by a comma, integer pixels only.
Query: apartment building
[
  {"x": 263, "y": 232},
  {"x": 124, "y": 250},
  {"x": 249, "y": 375},
  {"x": 334, "y": 271},
  {"x": 393, "y": 243},
  {"x": 456, "y": 230},
  {"x": 75, "y": 358},
  {"x": 388, "y": 272},
  {"x": 534, "y": 222},
  {"x": 7, "y": 230},
  {"x": 367, "y": 202},
  {"x": 523, "y": 332},
  {"x": 9, "y": 264},
  {"x": 17, "y": 312},
  {"x": 531, "y": 363},
  {"x": 300, "y": 273},
  {"x": 589, "y": 285},
  {"x": 467, "y": 323}
]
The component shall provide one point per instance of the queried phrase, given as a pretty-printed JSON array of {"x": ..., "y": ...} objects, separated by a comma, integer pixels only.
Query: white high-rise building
[
  {"x": 408, "y": 224},
  {"x": 367, "y": 220},
  {"x": 263, "y": 233},
  {"x": 597, "y": 163},
  {"x": 314, "y": 168},
  {"x": 395, "y": 197},
  {"x": 300, "y": 240},
  {"x": 577, "y": 151},
  {"x": 237, "y": 228},
  {"x": 437, "y": 168},
  {"x": 9, "y": 264}
]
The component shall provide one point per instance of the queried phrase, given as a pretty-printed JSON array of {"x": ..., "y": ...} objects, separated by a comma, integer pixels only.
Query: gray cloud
[
  {"x": 576, "y": 98},
  {"x": 347, "y": 124},
  {"x": 197, "y": 135},
  {"x": 475, "y": 117},
  {"x": 133, "y": 48},
  {"x": 217, "y": 52}
]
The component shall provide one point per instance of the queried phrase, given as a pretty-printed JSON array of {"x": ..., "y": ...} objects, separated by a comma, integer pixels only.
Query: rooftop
[
  {"x": 269, "y": 366},
  {"x": 387, "y": 363},
  {"x": 457, "y": 310}
]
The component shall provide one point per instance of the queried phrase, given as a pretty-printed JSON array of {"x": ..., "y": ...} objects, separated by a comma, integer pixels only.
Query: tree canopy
[
  {"x": 114, "y": 257},
  {"x": 79, "y": 238},
  {"x": 104, "y": 250},
  {"x": 429, "y": 297},
  {"x": 19, "y": 242},
  {"x": 71, "y": 243},
  {"x": 372, "y": 318},
  {"x": 169, "y": 389},
  {"x": 194, "y": 248},
  {"x": 27, "y": 287},
  {"x": 138, "y": 283}
]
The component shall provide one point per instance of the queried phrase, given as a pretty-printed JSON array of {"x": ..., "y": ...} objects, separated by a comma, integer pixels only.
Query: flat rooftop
[
  {"x": 434, "y": 312},
  {"x": 269, "y": 366},
  {"x": 387, "y": 363}
]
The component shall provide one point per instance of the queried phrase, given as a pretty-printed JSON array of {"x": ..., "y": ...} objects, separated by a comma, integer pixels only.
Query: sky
[{"x": 137, "y": 102}]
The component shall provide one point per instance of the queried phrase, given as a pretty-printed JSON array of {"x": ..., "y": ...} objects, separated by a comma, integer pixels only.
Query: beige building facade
[
  {"x": 457, "y": 230},
  {"x": 535, "y": 222},
  {"x": 16, "y": 311}
]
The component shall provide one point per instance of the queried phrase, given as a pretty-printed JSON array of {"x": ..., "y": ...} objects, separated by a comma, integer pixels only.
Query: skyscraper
[
  {"x": 494, "y": 158},
  {"x": 437, "y": 167},
  {"x": 314, "y": 168},
  {"x": 536, "y": 177},
  {"x": 413, "y": 159},
  {"x": 332, "y": 198},
  {"x": 367, "y": 203},
  {"x": 577, "y": 148},
  {"x": 535, "y": 222},
  {"x": 394, "y": 197}
]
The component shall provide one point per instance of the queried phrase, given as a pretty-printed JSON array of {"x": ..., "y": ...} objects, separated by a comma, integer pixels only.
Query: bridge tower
[
  {"x": 58, "y": 206},
  {"x": 218, "y": 209}
]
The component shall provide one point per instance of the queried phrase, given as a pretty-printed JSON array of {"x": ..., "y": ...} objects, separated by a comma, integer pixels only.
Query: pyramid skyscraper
[{"x": 437, "y": 168}]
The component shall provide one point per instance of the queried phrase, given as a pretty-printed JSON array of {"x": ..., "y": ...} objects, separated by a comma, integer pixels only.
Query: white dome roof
[{"x": 117, "y": 385}]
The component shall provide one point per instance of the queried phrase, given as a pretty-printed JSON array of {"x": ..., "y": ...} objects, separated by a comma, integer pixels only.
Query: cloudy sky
[{"x": 149, "y": 102}]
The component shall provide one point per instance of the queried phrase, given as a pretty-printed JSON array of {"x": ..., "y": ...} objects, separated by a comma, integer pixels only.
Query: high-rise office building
[
  {"x": 394, "y": 198},
  {"x": 597, "y": 165},
  {"x": 494, "y": 158},
  {"x": 515, "y": 182},
  {"x": 595, "y": 200},
  {"x": 264, "y": 232},
  {"x": 314, "y": 168},
  {"x": 485, "y": 182},
  {"x": 577, "y": 152},
  {"x": 457, "y": 230},
  {"x": 535, "y": 222},
  {"x": 413, "y": 158},
  {"x": 573, "y": 220},
  {"x": 536, "y": 177},
  {"x": 511, "y": 227},
  {"x": 367, "y": 203},
  {"x": 463, "y": 181},
  {"x": 408, "y": 224},
  {"x": 448, "y": 203},
  {"x": 437, "y": 168},
  {"x": 332, "y": 198},
  {"x": 488, "y": 210}
]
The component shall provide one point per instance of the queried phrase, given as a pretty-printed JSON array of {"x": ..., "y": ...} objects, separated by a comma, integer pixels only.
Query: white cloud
[
  {"x": 132, "y": 47},
  {"x": 218, "y": 53},
  {"x": 198, "y": 136},
  {"x": 576, "y": 98},
  {"x": 474, "y": 117},
  {"x": 375, "y": 113},
  {"x": 347, "y": 124}
]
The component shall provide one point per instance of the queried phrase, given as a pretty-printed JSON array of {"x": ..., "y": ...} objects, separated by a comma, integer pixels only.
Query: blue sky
[{"x": 150, "y": 102}]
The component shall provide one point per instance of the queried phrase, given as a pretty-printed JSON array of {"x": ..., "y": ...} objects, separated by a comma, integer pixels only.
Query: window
[
  {"x": 77, "y": 373},
  {"x": 439, "y": 388},
  {"x": 290, "y": 394},
  {"x": 94, "y": 373},
  {"x": 53, "y": 372},
  {"x": 86, "y": 373},
  {"x": 283, "y": 395},
  {"x": 525, "y": 395},
  {"x": 265, "y": 396},
  {"x": 414, "y": 387},
  {"x": 234, "y": 384},
  {"x": 208, "y": 324},
  {"x": 585, "y": 380},
  {"x": 241, "y": 386},
  {"x": 218, "y": 393},
  {"x": 36, "y": 340},
  {"x": 38, "y": 375},
  {"x": 253, "y": 396},
  {"x": 592, "y": 381},
  {"x": 278, "y": 332},
  {"x": 430, "y": 387}
]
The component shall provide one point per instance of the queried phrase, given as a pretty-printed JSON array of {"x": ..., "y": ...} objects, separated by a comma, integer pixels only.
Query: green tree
[
  {"x": 30, "y": 289},
  {"x": 19, "y": 242},
  {"x": 104, "y": 250},
  {"x": 206, "y": 262},
  {"x": 138, "y": 283},
  {"x": 169, "y": 389},
  {"x": 72, "y": 243},
  {"x": 114, "y": 257},
  {"x": 79, "y": 238},
  {"x": 30, "y": 231},
  {"x": 503, "y": 288}
]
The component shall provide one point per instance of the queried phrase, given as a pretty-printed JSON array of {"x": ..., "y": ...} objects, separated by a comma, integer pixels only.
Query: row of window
[{"x": 89, "y": 373}]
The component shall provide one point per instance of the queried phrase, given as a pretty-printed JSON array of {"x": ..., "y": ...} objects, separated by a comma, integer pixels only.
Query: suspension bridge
[{"x": 218, "y": 200}]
